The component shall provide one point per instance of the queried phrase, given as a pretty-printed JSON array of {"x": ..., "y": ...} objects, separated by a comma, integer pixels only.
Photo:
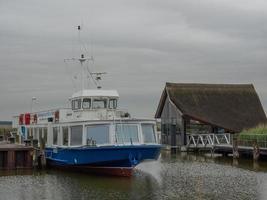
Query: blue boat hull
[{"x": 116, "y": 160}]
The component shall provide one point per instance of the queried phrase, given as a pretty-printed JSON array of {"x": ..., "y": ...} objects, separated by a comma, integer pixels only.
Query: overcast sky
[{"x": 141, "y": 44}]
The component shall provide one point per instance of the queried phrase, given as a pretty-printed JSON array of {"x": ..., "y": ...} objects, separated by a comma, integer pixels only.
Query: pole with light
[{"x": 33, "y": 99}]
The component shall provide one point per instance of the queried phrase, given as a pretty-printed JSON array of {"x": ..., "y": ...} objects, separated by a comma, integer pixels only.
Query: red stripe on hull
[{"x": 112, "y": 171}]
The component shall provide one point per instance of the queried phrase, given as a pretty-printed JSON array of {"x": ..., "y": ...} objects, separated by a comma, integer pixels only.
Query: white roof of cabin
[{"x": 96, "y": 93}]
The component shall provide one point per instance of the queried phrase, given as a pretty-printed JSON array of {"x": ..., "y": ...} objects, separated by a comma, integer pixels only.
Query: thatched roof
[{"x": 231, "y": 106}]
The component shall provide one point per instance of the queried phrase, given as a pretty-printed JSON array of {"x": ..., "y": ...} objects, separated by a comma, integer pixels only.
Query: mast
[
  {"x": 96, "y": 76},
  {"x": 81, "y": 60}
]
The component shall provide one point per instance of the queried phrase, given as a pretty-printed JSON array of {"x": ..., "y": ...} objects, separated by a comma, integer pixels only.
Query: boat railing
[
  {"x": 122, "y": 113},
  {"x": 90, "y": 142}
]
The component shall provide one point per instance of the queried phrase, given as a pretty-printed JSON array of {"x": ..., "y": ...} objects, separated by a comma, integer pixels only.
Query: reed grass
[
  {"x": 261, "y": 129},
  {"x": 258, "y": 133}
]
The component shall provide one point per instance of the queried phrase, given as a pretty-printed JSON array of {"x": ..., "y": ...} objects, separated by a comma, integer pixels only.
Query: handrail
[
  {"x": 252, "y": 143},
  {"x": 207, "y": 139}
]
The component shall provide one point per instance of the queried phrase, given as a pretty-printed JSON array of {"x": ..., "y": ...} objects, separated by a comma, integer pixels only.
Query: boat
[{"x": 93, "y": 134}]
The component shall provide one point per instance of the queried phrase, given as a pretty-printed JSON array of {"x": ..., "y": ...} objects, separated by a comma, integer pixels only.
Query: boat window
[
  {"x": 40, "y": 135},
  {"x": 148, "y": 133},
  {"x": 76, "y": 104},
  {"x": 112, "y": 104},
  {"x": 65, "y": 135},
  {"x": 35, "y": 133},
  {"x": 86, "y": 103},
  {"x": 76, "y": 135},
  {"x": 99, "y": 134},
  {"x": 126, "y": 133},
  {"x": 99, "y": 103},
  {"x": 45, "y": 135},
  {"x": 55, "y": 135},
  {"x": 29, "y": 133}
]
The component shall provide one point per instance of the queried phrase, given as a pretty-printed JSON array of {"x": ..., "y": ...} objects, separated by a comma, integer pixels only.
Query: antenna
[
  {"x": 96, "y": 76},
  {"x": 81, "y": 59}
]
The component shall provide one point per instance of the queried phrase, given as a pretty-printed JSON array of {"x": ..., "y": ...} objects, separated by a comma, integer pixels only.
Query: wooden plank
[
  {"x": 6, "y": 147},
  {"x": 10, "y": 160}
]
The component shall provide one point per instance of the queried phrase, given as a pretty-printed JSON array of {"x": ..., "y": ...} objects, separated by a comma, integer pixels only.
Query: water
[{"x": 181, "y": 176}]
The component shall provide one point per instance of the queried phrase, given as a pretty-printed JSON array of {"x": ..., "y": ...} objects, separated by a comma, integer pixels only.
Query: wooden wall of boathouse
[{"x": 172, "y": 129}]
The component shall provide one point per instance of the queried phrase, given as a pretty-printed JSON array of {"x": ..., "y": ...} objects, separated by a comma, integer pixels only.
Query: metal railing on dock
[
  {"x": 252, "y": 143},
  {"x": 209, "y": 140}
]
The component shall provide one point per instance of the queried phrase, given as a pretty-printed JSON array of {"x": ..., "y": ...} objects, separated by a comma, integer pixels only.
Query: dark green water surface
[{"x": 181, "y": 176}]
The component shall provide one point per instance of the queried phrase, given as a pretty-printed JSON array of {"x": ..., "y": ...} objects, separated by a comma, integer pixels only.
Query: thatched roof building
[{"x": 233, "y": 107}]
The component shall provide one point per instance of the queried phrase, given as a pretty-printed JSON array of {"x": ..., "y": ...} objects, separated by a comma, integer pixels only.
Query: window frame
[
  {"x": 73, "y": 104},
  {"x": 128, "y": 142},
  {"x": 45, "y": 134},
  {"x": 154, "y": 133},
  {"x": 53, "y": 135},
  {"x": 105, "y": 100},
  {"x": 70, "y": 138},
  {"x": 95, "y": 126},
  {"x": 67, "y": 128},
  {"x": 114, "y": 102},
  {"x": 90, "y": 103}
]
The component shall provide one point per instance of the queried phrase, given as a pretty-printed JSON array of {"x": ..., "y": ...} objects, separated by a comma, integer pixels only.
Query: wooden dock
[
  {"x": 224, "y": 144},
  {"x": 14, "y": 156}
]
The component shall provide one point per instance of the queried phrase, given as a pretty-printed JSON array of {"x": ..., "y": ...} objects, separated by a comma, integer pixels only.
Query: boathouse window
[
  {"x": 112, "y": 104},
  {"x": 76, "y": 104},
  {"x": 99, "y": 134},
  {"x": 65, "y": 135},
  {"x": 99, "y": 103},
  {"x": 86, "y": 103},
  {"x": 76, "y": 135},
  {"x": 148, "y": 133},
  {"x": 126, "y": 133},
  {"x": 55, "y": 135}
]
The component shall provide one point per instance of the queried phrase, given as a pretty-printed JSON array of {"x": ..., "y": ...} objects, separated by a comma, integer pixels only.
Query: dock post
[
  {"x": 10, "y": 160},
  {"x": 41, "y": 157},
  {"x": 29, "y": 159},
  {"x": 212, "y": 151},
  {"x": 235, "y": 148},
  {"x": 256, "y": 151}
]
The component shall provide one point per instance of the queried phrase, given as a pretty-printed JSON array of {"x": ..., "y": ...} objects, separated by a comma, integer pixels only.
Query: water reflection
[{"x": 179, "y": 176}]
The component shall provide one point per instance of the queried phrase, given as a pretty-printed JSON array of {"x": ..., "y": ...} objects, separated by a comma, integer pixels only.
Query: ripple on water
[
  {"x": 195, "y": 180},
  {"x": 168, "y": 178}
]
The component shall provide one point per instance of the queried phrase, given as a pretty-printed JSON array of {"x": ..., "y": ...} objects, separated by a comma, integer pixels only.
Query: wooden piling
[
  {"x": 256, "y": 151},
  {"x": 41, "y": 157},
  {"x": 235, "y": 149}
]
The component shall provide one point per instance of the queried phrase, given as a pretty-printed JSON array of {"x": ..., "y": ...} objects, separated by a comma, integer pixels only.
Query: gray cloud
[{"x": 141, "y": 44}]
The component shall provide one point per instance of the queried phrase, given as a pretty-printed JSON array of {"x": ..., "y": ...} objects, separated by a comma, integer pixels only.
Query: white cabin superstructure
[
  {"x": 93, "y": 119},
  {"x": 95, "y": 105}
]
